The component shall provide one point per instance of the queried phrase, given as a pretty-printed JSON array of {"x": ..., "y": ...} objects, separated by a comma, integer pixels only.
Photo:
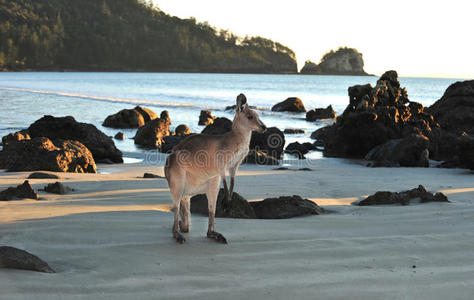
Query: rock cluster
[
  {"x": 419, "y": 194},
  {"x": 271, "y": 208},
  {"x": 67, "y": 128}
]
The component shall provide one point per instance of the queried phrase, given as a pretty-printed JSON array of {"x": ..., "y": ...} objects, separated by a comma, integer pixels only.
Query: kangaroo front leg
[
  {"x": 232, "y": 181},
  {"x": 212, "y": 192},
  {"x": 226, "y": 190}
]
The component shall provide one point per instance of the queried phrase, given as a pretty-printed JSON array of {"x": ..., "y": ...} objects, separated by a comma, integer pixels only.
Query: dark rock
[
  {"x": 293, "y": 131},
  {"x": 270, "y": 142},
  {"x": 218, "y": 127},
  {"x": 403, "y": 198},
  {"x": 151, "y": 175},
  {"x": 466, "y": 152},
  {"x": 105, "y": 161},
  {"x": 296, "y": 149},
  {"x": 260, "y": 158},
  {"x": 169, "y": 142},
  {"x": 42, "y": 175},
  {"x": 323, "y": 133},
  {"x": 22, "y": 191},
  {"x": 151, "y": 134},
  {"x": 130, "y": 118},
  {"x": 14, "y": 258},
  {"x": 309, "y": 146},
  {"x": 42, "y": 154},
  {"x": 285, "y": 207},
  {"x": 292, "y": 104},
  {"x": 343, "y": 61},
  {"x": 454, "y": 111},
  {"x": 67, "y": 128},
  {"x": 305, "y": 169},
  {"x": 206, "y": 118},
  {"x": 119, "y": 136},
  {"x": 411, "y": 151},
  {"x": 182, "y": 130},
  {"x": 282, "y": 169},
  {"x": 57, "y": 188},
  {"x": 321, "y": 113},
  {"x": 238, "y": 207}
]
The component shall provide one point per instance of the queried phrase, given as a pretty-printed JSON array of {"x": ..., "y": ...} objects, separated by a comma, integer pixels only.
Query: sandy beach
[{"x": 111, "y": 238}]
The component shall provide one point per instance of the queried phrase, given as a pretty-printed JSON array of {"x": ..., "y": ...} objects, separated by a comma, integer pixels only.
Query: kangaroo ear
[{"x": 241, "y": 101}]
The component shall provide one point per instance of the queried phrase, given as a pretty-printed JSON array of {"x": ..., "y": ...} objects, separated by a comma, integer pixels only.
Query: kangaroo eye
[{"x": 250, "y": 117}]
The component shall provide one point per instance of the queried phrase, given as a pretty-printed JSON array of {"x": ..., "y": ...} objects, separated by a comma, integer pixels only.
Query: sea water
[{"x": 91, "y": 96}]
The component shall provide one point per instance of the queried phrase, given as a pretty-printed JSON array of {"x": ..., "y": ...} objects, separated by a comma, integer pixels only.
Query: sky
[{"x": 416, "y": 37}]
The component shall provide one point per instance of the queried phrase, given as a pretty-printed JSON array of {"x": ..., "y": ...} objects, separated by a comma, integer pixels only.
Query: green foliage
[
  {"x": 126, "y": 35},
  {"x": 338, "y": 53}
]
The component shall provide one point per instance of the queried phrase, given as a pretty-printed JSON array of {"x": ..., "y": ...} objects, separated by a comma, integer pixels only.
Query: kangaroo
[{"x": 200, "y": 162}]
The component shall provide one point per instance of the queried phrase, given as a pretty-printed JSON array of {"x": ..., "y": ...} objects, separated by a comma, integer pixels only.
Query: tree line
[{"x": 126, "y": 35}]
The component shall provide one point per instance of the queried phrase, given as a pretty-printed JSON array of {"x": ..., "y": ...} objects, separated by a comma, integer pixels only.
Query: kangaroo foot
[
  {"x": 216, "y": 236},
  {"x": 179, "y": 237},
  {"x": 182, "y": 228}
]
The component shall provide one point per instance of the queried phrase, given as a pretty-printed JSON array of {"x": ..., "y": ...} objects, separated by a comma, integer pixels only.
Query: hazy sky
[{"x": 416, "y": 38}]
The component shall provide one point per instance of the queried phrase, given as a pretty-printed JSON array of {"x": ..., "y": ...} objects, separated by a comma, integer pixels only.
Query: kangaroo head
[{"x": 247, "y": 118}]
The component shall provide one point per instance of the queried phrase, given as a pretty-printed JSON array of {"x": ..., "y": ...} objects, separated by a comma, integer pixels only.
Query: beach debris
[
  {"x": 182, "y": 130},
  {"x": 321, "y": 113},
  {"x": 57, "y": 188},
  {"x": 271, "y": 208},
  {"x": 260, "y": 158},
  {"x": 14, "y": 258},
  {"x": 67, "y": 128},
  {"x": 291, "y": 104},
  {"x": 119, "y": 136},
  {"x": 19, "y": 192},
  {"x": 419, "y": 194},
  {"x": 43, "y": 154},
  {"x": 206, "y": 118},
  {"x": 43, "y": 175},
  {"x": 151, "y": 175},
  {"x": 293, "y": 131},
  {"x": 285, "y": 207},
  {"x": 411, "y": 151},
  {"x": 152, "y": 133},
  {"x": 218, "y": 126},
  {"x": 130, "y": 118}
]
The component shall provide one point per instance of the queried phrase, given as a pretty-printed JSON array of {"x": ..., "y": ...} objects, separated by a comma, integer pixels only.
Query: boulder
[
  {"x": 130, "y": 118},
  {"x": 237, "y": 208},
  {"x": 218, "y": 127},
  {"x": 151, "y": 134},
  {"x": 43, "y": 175},
  {"x": 343, "y": 61},
  {"x": 293, "y": 131},
  {"x": 404, "y": 198},
  {"x": 67, "y": 128},
  {"x": 454, "y": 111},
  {"x": 206, "y": 118},
  {"x": 19, "y": 192},
  {"x": 321, "y": 113},
  {"x": 466, "y": 152},
  {"x": 119, "y": 136},
  {"x": 57, "y": 188},
  {"x": 260, "y": 158},
  {"x": 43, "y": 154},
  {"x": 182, "y": 130},
  {"x": 14, "y": 258},
  {"x": 296, "y": 149},
  {"x": 271, "y": 142},
  {"x": 15, "y": 137},
  {"x": 285, "y": 207},
  {"x": 292, "y": 104},
  {"x": 411, "y": 151}
]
